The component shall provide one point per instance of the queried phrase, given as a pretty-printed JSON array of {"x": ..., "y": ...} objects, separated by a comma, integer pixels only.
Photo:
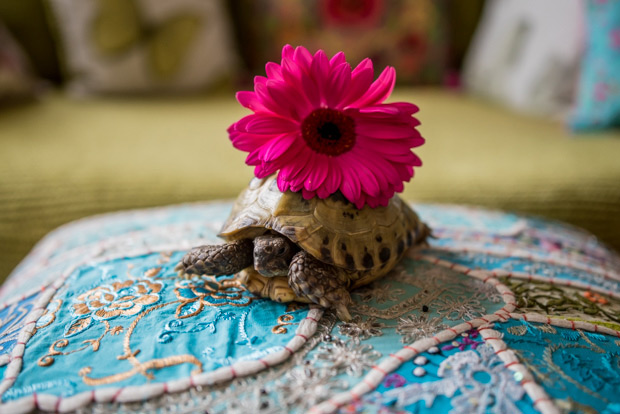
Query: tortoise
[{"x": 287, "y": 248}]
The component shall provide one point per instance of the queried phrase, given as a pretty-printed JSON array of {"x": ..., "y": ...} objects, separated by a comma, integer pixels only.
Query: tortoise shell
[{"x": 367, "y": 242}]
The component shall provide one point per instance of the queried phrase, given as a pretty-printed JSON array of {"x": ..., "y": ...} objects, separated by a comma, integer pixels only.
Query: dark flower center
[{"x": 328, "y": 131}]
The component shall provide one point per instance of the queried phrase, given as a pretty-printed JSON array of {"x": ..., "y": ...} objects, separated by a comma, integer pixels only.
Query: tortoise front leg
[
  {"x": 219, "y": 259},
  {"x": 321, "y": 283},
  {"x": 275, "y": 288}
]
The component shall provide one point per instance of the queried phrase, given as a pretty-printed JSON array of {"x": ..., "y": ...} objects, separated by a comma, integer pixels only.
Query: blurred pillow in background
[
  {"x": 17, "y": 84},
  {"x": 143, "y": 46},
  {"x": 598, "y": 99},
  {"x": 526, "y": 54},
  {"x": 407, "y": 34}
]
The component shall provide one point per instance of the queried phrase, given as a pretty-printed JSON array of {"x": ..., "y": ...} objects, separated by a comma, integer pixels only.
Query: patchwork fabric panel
[{"x": 501, "y": 313}]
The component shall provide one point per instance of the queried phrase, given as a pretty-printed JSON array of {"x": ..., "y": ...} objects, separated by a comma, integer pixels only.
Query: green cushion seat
[{"x": 62, "y": 159}]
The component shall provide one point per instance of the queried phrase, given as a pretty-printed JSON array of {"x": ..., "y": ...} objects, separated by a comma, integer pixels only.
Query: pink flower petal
[
  {"x": 350, "y": 185},
  {"x": 361, "y": 79},
  {"x": 385, "y": 170},
  {"x": 251, "y": 101},
  {"x": 283, "y": 185},
  {"x": 291, "y": 170},
  {"x": 273, "y": 70},
  {"x": 338, "y": 60},
  {"x": 337, "y": 85},
  {"x": 308, "y": 195},
  {"x": 379, "y": 90},
  {"x": 249, "y": 142},
  {"x": 264, "y": 170},
  {"x": 364, "y": 168},
  {"x": 292, "y": 73},
  {"x": 369, "y": 172},
  {"x": 253, "y": 157},
  {"x": 288, "y": 100},
  {"x": 404, "y": 158},
  {"x": 277, "y": 147},
  {"x": 288, "y": 52},
  {"x": 332, "y": 180},
  {"x": 266, "y": 124},
  {"x": 262, "y": 92},
  {"x": 385, "y": 111},
  {"x": 303, "y": 58},
  {"x": 382, "y": 130},
  {"x": 318, "y": 174},
  {"x": 320, "y": 73}
]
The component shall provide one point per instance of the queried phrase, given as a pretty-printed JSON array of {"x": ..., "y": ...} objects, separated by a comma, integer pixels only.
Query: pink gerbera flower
[{"x": 324, "y": 128}]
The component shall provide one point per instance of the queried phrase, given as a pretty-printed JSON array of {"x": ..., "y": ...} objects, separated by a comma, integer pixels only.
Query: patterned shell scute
[{"x": 332, "y": 230}]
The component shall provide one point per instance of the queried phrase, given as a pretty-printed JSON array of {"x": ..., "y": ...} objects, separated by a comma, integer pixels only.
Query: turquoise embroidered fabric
[{"x": 500, "y": 314}]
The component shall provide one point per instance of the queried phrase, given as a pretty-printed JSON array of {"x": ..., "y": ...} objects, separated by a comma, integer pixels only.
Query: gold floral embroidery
[
  {"x": 140, "y": 367},
  {"x": 54, "y": 349},
  {"x": 152, "y": 272},
  {"x": 198, "y": 292},
  {"x": 283, "y": 320},
  {"x": 165, "y": 257},
  {"x": 126, "y": 298}
]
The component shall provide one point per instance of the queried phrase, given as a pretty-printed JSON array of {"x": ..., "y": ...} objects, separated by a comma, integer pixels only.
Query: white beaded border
[
  {"x": 389, "y": 364},
  {"x": 564, "y": 323},
  {"x": 482, "y": 237},
  {"x": 47, "y": 402},
  {"x": 520, "y": 253},
  {"x": 537, "y": 394},
  {"x": 540, "y": 399},
  {"x": 17, "y": 299},
  {"x": 14, "y": 358},
  {"x": 39, "y": 258},
  {"x": 408, "y": 352},
  {"x": 486, "y": 277},
  {"x": 488, "y": 274},
  {"x": 535, "y": 391}
]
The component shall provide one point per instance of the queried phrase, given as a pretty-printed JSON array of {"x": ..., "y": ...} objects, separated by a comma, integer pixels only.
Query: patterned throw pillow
[
  {"x": 120, "y": 46},
  {"x": 598, "y": 100},
  {"x": 500, "y": 314},
  {"x": 407, "y": 34},
  {"x": 525, "y": 54}
]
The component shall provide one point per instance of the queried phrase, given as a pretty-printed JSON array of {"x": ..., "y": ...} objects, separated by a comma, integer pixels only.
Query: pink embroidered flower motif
[{"x": 324, "y": 128}]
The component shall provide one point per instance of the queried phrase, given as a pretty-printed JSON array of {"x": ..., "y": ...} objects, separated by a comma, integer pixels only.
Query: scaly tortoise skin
[{"x": 353, "y": 247}]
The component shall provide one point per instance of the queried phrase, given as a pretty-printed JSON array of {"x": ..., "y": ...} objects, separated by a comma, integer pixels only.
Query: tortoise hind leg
[
  {"x": 320, "y": 283},
  {"x": 219, "y": 259}
]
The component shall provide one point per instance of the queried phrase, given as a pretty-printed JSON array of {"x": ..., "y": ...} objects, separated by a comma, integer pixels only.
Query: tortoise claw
[{"x": 342, "y": 312}]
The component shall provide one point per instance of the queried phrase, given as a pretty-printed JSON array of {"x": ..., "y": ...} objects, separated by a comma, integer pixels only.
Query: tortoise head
[{"x": 273, "y": 254}]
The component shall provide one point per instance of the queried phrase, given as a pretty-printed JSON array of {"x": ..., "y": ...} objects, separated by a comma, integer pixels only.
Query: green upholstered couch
[{"x": 62, "y": 159}]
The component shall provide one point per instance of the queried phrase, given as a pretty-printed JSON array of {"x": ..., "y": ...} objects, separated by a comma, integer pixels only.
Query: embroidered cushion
[
  {"x": 598, "y": 98},
  {"x": 131, "y": 46},
  {"x": 501, "y": 313}
]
